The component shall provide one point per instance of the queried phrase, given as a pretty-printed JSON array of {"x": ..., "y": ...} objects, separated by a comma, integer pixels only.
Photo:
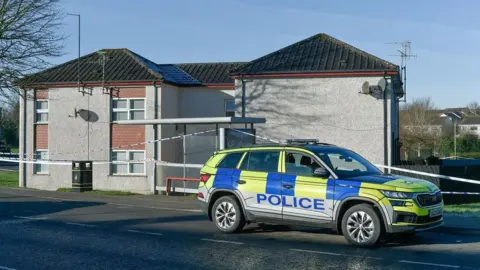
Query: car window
[
  {"x": 261, "y": 161},
  {"x": 300, "y": 164},
  {"x": 343, "y": 163},
  {"x": 231, "y": 160}
]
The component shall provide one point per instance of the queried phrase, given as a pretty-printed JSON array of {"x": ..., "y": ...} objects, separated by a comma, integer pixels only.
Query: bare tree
[
  {"x": 419, "y": 125},
  {"x": 473, "y": 108},
  {"x": 29, "y": 36}
]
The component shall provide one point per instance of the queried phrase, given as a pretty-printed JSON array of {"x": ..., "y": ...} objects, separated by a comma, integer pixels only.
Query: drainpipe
[
  {"x": 155, "y": 137},
  {"x": 24, "y": 139},
  {"x": 385, "y": 123},
  {"x": 243, "y": 96}
]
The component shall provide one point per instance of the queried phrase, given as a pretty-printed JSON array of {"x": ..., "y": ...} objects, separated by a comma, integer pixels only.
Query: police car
[{"x": 308, "y": 183}]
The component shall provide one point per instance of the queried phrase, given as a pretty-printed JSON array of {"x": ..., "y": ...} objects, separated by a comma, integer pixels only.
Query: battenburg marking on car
[{"x": 288, "y": 201}]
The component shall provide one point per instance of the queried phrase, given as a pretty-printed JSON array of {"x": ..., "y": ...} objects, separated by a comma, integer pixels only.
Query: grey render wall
[
  {"x": 331, "y": 109},
  {"x": 68, "y": 139}
]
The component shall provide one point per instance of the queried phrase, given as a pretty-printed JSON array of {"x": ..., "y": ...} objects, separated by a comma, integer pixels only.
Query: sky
[{"x": 444, "y": 35}]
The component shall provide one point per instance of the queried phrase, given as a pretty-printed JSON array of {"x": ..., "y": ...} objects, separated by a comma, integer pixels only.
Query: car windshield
[{"x": 346, "y": 164}]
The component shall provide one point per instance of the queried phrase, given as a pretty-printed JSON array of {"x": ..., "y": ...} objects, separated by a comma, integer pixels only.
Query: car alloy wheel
[
  {"x": 360, "y": 226},
  {"x": 225, "y": 215}
]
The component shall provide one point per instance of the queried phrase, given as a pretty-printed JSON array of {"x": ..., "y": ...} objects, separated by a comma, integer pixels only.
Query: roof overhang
[
  {"x": 194, "y": 121},
  {"x": 319, "y": 74}
]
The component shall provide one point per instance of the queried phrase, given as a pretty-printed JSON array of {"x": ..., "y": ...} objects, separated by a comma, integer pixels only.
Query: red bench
[{"x": 169, "y": 179}]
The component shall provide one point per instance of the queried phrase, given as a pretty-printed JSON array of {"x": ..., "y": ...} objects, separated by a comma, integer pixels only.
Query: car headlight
[{"x": 397, "y": 195}]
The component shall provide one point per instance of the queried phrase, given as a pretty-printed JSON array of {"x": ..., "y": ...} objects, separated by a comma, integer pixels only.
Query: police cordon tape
[
  {"x": 430, "y": 174},
  {"x": 199, "y": 166}
]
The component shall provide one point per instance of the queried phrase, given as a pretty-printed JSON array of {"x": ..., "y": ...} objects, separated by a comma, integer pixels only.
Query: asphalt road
[{"x": 51, "y": 230}]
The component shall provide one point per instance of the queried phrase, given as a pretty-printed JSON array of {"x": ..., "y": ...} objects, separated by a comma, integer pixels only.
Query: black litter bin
[{"x": 81, "y": 176}]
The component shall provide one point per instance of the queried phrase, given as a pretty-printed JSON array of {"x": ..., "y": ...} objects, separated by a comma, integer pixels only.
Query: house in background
[
  {"x": 312, "y": 89},
  {"x": 69, "y": 121}
]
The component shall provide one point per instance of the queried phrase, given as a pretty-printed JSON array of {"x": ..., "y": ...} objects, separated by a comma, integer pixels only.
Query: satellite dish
[
  {"x": 366, "y": 88},
  {"x": 382, "y": 83}
]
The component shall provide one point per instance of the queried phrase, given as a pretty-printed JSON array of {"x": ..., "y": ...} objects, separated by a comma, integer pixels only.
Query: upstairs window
[
  {"x": 41, "y": 111},
  {"x": 128, "y": 109}
]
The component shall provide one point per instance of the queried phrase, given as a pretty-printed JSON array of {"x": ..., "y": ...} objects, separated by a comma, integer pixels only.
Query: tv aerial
[{"x": 405, "y": 54}]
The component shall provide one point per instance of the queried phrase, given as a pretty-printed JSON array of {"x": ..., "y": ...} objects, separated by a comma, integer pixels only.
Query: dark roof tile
[
  {"x": 319, "y": 53},
  {"x": 211, "y": 73}
]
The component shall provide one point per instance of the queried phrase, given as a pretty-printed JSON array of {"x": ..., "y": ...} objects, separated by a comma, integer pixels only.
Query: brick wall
[
  {"x": 41, "y": 94},
  {"x": 126, "y": 134},
  {"x": 138, "y": 92},
  {"x": 41, "y": 136}
]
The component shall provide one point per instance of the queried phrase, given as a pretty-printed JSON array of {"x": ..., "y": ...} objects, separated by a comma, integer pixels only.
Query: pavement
[{"x": 54, "y": 230}]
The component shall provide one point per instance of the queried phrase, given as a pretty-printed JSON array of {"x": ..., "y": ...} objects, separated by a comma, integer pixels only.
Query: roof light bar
[{"x": 302, "y": 140}]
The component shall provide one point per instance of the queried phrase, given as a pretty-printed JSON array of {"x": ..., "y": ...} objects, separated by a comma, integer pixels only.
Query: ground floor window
[
  {"x": 128, "y": 162},
  {"x": 41, "y": 155}
]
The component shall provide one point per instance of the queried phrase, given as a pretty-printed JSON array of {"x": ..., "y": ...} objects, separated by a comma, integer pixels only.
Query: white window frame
[
  {"x": 35, "y": 169},
  {"x": 37, "y": 111},
  {"x": 128, "y": 162},
  {"x": 225, "y": 106},
  {"x": 128, "y": 109}
]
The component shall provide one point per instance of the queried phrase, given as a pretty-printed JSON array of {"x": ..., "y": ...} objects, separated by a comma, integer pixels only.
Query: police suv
[{"x": 307, "y": 183}]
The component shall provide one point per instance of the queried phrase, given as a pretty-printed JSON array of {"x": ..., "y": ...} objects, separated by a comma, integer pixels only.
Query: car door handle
[
  {"x": 288, "y": 186},
  {"x": 241, "y": 181}
]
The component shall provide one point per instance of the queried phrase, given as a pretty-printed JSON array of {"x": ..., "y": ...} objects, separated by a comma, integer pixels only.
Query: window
[
  {"x": 300, "y": 164},
  {"x": 41, "y": 111},
  {"x": 41, "y": 168},
  {"x": 261, "y": 161},
  {"x": 230, "y": 161},
  {"x": 128, "y": 109},
  {"x": 230, "y": 107},
  {"x": 346, "y": 163},
  {"x": 128, "y": 162},
  {"x": 473, "y": 128}
]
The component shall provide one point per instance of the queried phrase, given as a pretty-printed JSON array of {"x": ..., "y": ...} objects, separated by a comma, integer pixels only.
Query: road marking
[
  {"x": 222, "y": 241},
  {"x": 432, "y": 264},
  {"x": 32, "y": 218},
  {"x": 150, "y": 233},
  {"x": 315, "y": 251},
  {"x": 6, "y": 268},
  {"x": 80, "y": 224}
]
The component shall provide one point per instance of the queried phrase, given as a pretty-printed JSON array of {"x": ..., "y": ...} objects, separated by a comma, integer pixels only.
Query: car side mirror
[{"x": 321, "y": 172}]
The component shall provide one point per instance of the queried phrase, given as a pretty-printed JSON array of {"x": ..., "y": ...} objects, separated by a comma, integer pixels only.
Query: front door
[
  {"x": 260, "y": 183},
  {"x": 304, "y": 195}
]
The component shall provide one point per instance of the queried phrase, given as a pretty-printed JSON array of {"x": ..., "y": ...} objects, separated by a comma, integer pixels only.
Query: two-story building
[{"x": 312, "y": 89}]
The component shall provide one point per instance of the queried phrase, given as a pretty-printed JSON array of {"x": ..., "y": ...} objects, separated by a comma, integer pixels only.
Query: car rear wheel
[
  {"x": 361, "y": 225},
  {"x": 228, "y": 215}
]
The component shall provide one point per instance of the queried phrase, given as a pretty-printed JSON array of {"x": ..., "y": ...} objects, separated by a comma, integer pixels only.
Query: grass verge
[
  {"x": 471, "y": 209},
  {"x": 102, "y": 192},
  {"x": 8, "y": 179}
]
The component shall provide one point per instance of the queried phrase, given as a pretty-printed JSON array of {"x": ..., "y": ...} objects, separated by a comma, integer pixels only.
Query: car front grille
[{"x": 429, "y": 199}]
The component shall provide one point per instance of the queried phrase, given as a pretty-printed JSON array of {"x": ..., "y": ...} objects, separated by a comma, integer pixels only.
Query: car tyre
[
  {"x": 361, "y": 225},
  {"x": 228, "y": 215}
]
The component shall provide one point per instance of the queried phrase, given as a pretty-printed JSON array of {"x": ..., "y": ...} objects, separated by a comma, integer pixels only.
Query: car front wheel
[{"x": 361, "y": 225}]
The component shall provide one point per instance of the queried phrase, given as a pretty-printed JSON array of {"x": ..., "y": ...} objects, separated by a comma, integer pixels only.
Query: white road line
[
  {"x": 32, "y": 218},
  {"x": 150, "y": 233},
  {"x": 431, "y": 264},
  {"x": 315, "y": 251},
  {"x": 222, "y": 241},
  {"x": 80, "y": 224},
  {"x": 6, "y": 268}
]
